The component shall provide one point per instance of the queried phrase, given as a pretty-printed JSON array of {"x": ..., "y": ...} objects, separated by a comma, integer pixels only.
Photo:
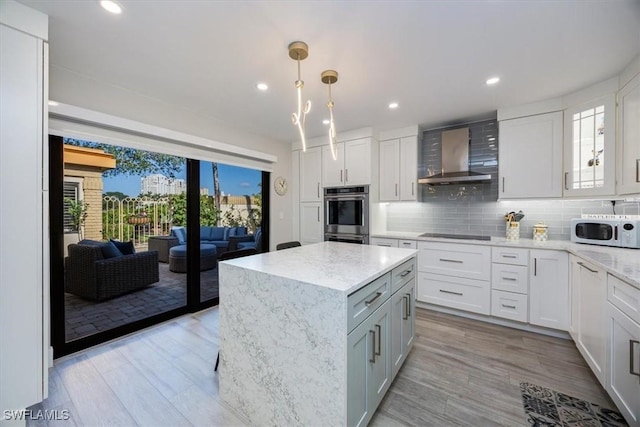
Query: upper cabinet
[
  {"x": 628, "y": 175},
  {"x": 589, "y": 154},
  {"x": 399, "y": 169},
  {"x": 311, "y": 175},
  {"x": 530, "y": 157},
  {"x": 352, "y": 165}
]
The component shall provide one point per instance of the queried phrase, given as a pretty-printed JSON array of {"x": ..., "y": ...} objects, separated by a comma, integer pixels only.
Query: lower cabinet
[
  {"x": 623, "y": 348},
  {"x": 368, "y": 365},
  {"x": 549, "y": 289},
  {"x": 589, "y": 299},
  {"x": 402, "y": 324},
  {"x": 378, "y": 346}
]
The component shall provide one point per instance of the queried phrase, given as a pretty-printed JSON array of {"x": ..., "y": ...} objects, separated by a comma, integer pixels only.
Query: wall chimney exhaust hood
[{"x": 455, "y": 161}]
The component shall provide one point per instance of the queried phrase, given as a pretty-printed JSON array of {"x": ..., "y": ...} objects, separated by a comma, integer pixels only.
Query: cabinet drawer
[
  {"x": 469, "y": 261},
  {"x": 510, "y": 306},
  {"x": 510, "y": 256},
  {"x": 455, "y": 292},
  {"x": 624, "y": 296},
  {"x": 380, "y": 241},
  {"x": 402, "y": 273},
  {"x": 367, "y": 299},
  {"x": 408, "y": 244},
  {"x": 510, "y": 278}
]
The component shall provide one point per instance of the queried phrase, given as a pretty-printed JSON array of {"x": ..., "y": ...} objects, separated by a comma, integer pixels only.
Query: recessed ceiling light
[
  {"x": 53, "y": 103},
  {"x": 393, "y": 105},
  {"x": 111, "y": 6},
  {"x": 493, "y": 80},
  {"x": 262, "y": 86},
  {"x": 326, "y": 121}
]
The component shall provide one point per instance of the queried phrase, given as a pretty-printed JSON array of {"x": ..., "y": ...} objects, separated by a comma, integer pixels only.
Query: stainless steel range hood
[{"x": 455, "y": 161}]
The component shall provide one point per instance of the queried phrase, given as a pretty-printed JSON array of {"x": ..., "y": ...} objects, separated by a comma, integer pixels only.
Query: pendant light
[
  {"x": 299, "y": 51},
  {"x": 329, "y": 77}
]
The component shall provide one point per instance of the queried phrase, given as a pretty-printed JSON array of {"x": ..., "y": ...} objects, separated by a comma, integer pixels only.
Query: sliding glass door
[{"x": 134, "y": 238}]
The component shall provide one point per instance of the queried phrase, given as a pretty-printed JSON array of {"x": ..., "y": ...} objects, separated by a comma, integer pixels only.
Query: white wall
[{"x": 81, "y": 91}]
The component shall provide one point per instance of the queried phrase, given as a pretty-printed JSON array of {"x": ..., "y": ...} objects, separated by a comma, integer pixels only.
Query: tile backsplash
[{"x": 487, "y": 218}]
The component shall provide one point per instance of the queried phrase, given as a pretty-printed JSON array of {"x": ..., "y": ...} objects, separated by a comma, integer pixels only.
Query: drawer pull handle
[
  {"x": 406, "y": 243},
  {"x": 581, "y": 264},
  {"x": 631, "y": 368},
  {"x": 378, "y": 295},
  {"x": 405, "y": 273},
  {"x": 509, "y": 278},
  {"x": 373, "y": 346},
  {"x": 409, "y": 305},
  {"x": 379, "y": 352},
  {"x": 451, "y": 260},
  {"x": 405, "y": 315},
  {"x": 509, "y": 306},
  {"x": 509, "y": 256},
  {"x": 451, "y": 292}
]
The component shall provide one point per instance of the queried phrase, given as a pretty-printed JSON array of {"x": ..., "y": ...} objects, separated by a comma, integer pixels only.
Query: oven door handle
[
  {"x": 359, "y": 237},
  {"x": 345, "y": 197}
]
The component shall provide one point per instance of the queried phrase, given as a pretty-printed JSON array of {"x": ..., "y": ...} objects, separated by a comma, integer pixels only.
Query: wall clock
[{"x": 281, "y": 186}]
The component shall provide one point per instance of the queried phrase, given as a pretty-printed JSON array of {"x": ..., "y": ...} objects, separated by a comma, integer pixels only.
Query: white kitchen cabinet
[
  {"x": 510, "y": 283},
  {"x": 530, "y": 153},
  {"x": 311, "y": 175},
  {"x": 623, "y": 348},
  {"x": 591, "y": 299},
  {"x": 549, "y": 289},
  {"x": 574, "y": 296},
  {"x": 352, "y": 166},
  {"x": 402, "y": 323},
  {"x": 368, "y": 365},
  {"x": 628, "y": 162},
  {"x": 311, "y": 225},
  {"x": 383, "y": 241},
  {"x": 24, "y": 274},
  {"x": 398, "y": 169},
  {"x": 589, "y": 153}
]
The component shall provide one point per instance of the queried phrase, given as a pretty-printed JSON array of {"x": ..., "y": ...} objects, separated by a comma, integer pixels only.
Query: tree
[
  {"x": 117, "y": 194},
  {"x": 131, "y": 161}
]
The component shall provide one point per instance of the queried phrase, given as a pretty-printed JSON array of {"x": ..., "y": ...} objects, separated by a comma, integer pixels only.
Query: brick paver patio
[{"x": 84, "y": 317}]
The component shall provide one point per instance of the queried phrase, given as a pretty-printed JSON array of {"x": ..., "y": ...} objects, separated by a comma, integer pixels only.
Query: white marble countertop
[
  {"x": 345, "y": 267},
  {"x": 621, "y": 262}
]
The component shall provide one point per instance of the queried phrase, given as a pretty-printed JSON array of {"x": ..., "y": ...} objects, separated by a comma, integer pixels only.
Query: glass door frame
[{"x": 61, "y": 347}]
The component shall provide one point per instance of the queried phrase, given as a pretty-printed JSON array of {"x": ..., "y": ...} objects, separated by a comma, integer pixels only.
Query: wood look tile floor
[{"x": 460, "y": 372}]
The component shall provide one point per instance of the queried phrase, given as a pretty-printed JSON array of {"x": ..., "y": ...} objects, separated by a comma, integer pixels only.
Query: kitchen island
[{"x": 309, "y": 335}]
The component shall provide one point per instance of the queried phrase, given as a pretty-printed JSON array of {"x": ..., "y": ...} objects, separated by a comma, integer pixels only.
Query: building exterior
[{"x": 160, "y": 184}]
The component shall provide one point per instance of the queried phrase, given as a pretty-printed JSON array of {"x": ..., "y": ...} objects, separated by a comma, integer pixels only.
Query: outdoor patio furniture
[
  {"x": 253, "y": 241},
  {"x": 162, "y": 244},
  {"x": 88, "y": 274},
  {"x": 178, "y": 258},
  {"x": 218, "y": 236}
]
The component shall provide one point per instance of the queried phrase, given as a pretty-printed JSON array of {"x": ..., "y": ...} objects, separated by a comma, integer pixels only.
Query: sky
[{"x": 234, "y": 180}]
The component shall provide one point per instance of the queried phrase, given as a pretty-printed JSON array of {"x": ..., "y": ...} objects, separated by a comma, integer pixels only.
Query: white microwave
[{"x": 623, "y": 233}]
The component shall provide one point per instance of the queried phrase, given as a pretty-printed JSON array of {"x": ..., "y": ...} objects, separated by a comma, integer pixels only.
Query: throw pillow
[
  {"x": 180, "y": 233},
  {"x": 109, "y": 250},
  {"x": 126, "y": 248}
]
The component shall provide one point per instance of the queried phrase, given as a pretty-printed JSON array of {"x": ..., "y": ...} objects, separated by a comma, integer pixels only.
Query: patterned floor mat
[{"x": 544, "y": 407}]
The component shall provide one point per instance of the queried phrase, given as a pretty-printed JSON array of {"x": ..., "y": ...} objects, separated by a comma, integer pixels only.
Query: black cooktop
[{"x": 456, "y": 236}]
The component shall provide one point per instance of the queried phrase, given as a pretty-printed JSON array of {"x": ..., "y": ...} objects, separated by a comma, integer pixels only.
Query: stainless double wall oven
[{"x": 346, "y": 214}]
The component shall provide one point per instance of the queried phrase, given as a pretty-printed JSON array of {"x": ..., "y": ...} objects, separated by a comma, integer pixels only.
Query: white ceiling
[{"x": 432, "y": 57}]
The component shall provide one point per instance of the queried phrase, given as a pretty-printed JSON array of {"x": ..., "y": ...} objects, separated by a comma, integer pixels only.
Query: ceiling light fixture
[
  {"x": 299, "y": 51},
  {"x": 111, "y": 6},
  {"x": 393, "y": 105},
  {"x": 262, "y": 86},
  {"x": 329, "y": 77},
  {"x": 326, "y": 122},
  {"x": 493, "y": 80}
]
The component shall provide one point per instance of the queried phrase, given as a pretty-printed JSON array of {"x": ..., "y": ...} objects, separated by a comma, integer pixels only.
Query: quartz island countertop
[
  {"x": 344, "y": 267},
  {"x": 284, "y": 329}
]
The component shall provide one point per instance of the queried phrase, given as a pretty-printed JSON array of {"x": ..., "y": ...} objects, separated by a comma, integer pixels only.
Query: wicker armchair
[{"x": 89, "y": 275}]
